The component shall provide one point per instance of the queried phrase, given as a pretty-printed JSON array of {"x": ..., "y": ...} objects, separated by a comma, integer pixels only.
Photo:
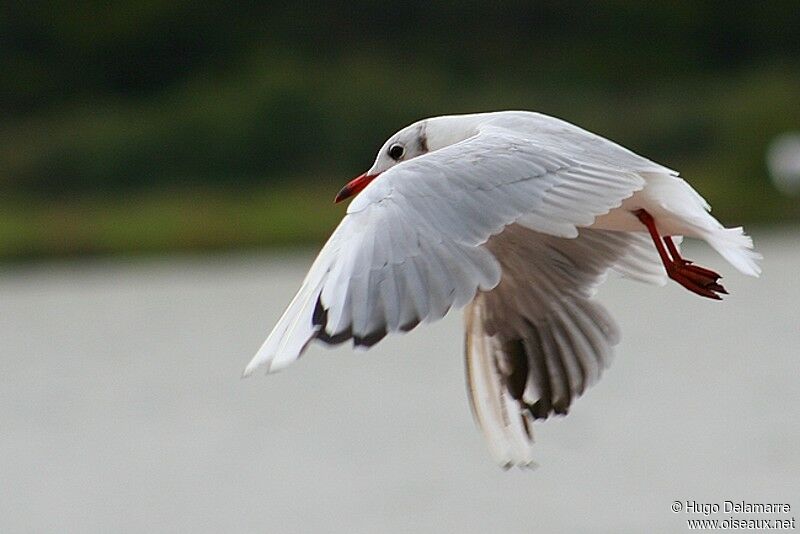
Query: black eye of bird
[{"x": 396, "y": 152}]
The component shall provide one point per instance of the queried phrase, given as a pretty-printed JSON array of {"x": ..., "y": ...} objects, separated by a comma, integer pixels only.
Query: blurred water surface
[{"x": 122, "y": 410}]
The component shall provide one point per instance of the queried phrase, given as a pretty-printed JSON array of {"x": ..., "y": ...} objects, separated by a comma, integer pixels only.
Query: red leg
[
  {"x": 673, "y": 249},
  {"x": 694, "y": 278}
]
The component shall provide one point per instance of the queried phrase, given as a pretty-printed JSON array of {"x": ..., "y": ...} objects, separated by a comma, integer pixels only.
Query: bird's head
[
  {"x": 408, "y": 143},
  {"x": 415, "y": 140}
]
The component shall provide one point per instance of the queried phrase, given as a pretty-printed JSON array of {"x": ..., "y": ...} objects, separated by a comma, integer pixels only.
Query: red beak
[{"x": 354, "y": 187}]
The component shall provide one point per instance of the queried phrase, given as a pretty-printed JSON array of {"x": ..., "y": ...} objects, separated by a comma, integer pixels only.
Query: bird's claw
[{"x": 696, "y": 279}]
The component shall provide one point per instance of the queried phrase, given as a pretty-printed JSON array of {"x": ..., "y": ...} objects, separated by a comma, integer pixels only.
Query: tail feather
[
  {"x": 736, "y": 247},
  {"x": 683, "y": 211}
]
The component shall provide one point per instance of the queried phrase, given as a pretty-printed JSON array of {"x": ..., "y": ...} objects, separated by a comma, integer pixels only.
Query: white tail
[{"x": 736, "y": 247}]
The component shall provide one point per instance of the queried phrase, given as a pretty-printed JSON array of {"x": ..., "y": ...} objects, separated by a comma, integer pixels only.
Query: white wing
[
  {"x": 412, "y": 243},
  {"x": 536, "y": 341}
]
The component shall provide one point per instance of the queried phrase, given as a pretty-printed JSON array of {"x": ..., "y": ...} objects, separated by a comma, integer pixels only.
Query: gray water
[{"x": 122, "y": 410}]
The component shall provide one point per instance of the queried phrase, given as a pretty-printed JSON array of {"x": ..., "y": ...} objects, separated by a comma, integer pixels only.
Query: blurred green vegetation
[
  {"x": 161, "y": 220},
  {"x": 148, "y": 126}
]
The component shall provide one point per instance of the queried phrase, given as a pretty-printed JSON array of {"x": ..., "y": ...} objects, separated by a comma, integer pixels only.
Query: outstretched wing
[
  {"x": 537, "y": 341},
  {"x": 412, "y": 244}
]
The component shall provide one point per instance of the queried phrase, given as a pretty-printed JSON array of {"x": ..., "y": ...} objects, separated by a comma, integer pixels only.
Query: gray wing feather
[{"x": 538, "y": 334}]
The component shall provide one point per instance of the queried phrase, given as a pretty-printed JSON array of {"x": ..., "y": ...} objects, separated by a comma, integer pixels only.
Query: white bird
[{"x": 516, "y": 216}]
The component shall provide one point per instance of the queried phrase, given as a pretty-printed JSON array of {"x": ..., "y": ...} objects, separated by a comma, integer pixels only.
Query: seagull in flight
[{"x": 516, "y": 217}]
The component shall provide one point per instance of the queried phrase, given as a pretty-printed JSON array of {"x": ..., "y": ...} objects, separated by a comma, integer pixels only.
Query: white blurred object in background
[{"x": 783, "y": 162}]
